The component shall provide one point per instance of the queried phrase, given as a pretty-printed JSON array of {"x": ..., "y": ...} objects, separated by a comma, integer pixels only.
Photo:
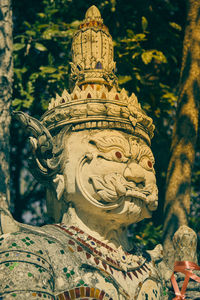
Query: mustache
[{"x": 114, "y": 187}]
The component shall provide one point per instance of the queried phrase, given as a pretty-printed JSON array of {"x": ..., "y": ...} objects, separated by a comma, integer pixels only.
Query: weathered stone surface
[
  {"x": 185, "y": 244},
  {"x": 99, "y": 171},
  {"x": 56, "y": 260}
]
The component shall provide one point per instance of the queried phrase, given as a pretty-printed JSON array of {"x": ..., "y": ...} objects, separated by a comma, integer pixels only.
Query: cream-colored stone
[
  {"x": 108, "y": 178},
  {"x": 185, "y": 244},
  {"x": 150, "y": 290}
]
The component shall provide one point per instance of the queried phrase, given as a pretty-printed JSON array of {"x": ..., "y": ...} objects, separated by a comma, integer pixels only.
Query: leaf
[
  {"x": 45, "y": 104},
  {"x": 18, "y": 46},
  {"x": 135, "y": 55},
  {"x": 30, "y": 87},
  {"x": 147, "y": 57},
  {"x": 48, "y": 69},
  {"x": 17, "y": 102},
  {"x": 22, "y": 70},
  {"x": 27, "y": 103},
  {"x": 124, "y": 79},
  {"x": 27, "y": 24},
  {"x": 135, "y": 38},
  {"x": 53, "y": 11},
  {"x": 75, "y": 24},
  {"x": 31, "y": 32},
  {"x": 159, "y": 56},
  {"x": 138, "y": 77},
  {"x": 50, "y": 59},
  {"x": 41, "y": 15},
  {"x": 144, "y": 23},
  {"x": 42, "y": 26},
  {"x": 140, "y": 37},
  {"x": 171, "y": 98},
  {"x": 40, "y": 47},
  {"x": 130, "y": 33},
  {"x": 19, "y": 36},
  {"x": 51, "y": 32},
  {"x": 175, "y": 26}
]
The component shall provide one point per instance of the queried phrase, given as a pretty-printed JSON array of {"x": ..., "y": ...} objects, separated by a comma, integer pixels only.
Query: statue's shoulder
[
  {"x": 34, "y": 255},
  {"x": 28, "y": 242},
  {"x": 61, "y": 245},
  {"x": 33, "y": 239},
  {"x": 25, "y": 264},
  {"x": 47, "y": 241}
]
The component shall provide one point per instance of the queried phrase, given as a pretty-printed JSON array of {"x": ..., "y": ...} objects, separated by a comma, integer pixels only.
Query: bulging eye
[
  {"x": 118, "y": 154},
  {"x": 146, "y": 163},
  {"x": 114, "y": 155}
]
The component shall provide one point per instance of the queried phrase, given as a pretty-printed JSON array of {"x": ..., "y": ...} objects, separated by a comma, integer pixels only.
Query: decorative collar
[{"x": 118, "y": 259}]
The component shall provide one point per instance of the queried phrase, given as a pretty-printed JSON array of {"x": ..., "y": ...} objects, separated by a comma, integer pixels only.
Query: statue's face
[{"x": 110, "y": 174}]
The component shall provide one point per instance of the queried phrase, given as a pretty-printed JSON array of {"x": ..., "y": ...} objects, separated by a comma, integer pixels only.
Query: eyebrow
[
  {"x": 146, "y": 151},
  {"x": 107, "y": 143}
]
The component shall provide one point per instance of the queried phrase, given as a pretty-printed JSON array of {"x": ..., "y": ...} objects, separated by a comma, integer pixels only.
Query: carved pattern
[
  {"x": 46, "y": 160},
  {"x": 109, "y": 187},
  {"x": 146, "y": 151},
  {"x": 42, "y": 142},
  {"x": 108, "y": 143},
  {"x": 86, "y": 159},
  {"x": 75, "y": 108},
  {"x": 113, "y": 187},
  {"x": 95, "y": 249}
]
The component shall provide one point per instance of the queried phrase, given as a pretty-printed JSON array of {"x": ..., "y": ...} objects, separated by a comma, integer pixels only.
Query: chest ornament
[{"x": 109, "y": 257}]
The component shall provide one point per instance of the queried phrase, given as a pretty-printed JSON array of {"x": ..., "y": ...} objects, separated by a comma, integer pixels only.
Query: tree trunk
[
  {"x": 177, "y": 198},
  {"x": 6, "y": 75}
]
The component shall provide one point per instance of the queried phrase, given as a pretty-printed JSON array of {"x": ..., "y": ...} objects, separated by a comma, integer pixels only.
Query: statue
[{"x": 92, "y": 151}]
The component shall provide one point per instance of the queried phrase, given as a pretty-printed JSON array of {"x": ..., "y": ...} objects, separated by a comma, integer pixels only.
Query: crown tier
[{"x": 95, "y": 106}]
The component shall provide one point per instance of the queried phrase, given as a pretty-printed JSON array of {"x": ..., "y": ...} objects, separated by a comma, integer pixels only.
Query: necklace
[{"x": 116, "y": 258}]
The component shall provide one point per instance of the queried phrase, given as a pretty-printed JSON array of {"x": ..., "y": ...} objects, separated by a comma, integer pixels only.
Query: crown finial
[
  {"x": 92, "y": 52},
  {"x": 93, "y": 14}
]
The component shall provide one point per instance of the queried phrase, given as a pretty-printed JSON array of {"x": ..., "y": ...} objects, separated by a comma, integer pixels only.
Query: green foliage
[
  {"x": 144, "y": 23},
  {"x": 147, "y": 234},
  {"x": 41, "y": 57},
  {"x": 148, "y": 43}
]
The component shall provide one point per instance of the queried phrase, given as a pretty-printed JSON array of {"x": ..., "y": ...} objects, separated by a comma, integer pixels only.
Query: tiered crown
[{"x": 95, "y": 101}]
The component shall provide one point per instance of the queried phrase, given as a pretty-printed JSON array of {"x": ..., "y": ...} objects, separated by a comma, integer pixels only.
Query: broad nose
[{"x": 135, "y": 173}]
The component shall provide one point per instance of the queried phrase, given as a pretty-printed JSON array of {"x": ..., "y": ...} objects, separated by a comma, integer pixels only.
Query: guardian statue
[{"x": 92, "y": 151}]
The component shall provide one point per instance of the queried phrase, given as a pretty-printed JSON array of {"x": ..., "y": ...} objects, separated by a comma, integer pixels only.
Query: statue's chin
[{"x": 138, "y": 209}]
